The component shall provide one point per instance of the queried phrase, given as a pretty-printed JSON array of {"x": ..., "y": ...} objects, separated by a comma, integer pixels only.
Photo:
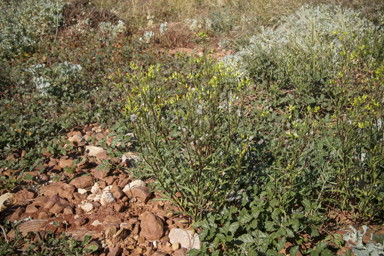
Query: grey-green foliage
[
  {"x": 45, "y": 79},
  {"x": 360, "y": 249},
  {"x": 23, "y": 22},
  {"x": 317, "y": 31}
]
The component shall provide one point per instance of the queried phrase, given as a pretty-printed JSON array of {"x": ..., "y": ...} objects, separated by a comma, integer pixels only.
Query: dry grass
[{"x": 236, "y": 20}]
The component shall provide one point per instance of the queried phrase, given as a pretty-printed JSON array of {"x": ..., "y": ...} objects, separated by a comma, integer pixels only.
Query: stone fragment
[
  {"x": 53, "y": 200},
  {"x": 28, "y": 226},
  {"x": 87, "y": 207},
  {"x": 117, "y": 207},
  {"x": 185, "y": 238},
  {"x": 100, "y": 173},
  {"x": 95, "y": 189},
  {"x": 79, "y": 197},
  {"x": 142, "y": 193},
  {"x": 68, "y": 210},
  {"x": 107, "y": 198},
  {"x": 96, "y": 223},
  {"x": 109, "y": 180},
  {"x": 24, "y": 195},
  {"x": 115, "y": 251},
  {"x": 80, "y": 221},
  {"x": 102, "y": 184},
  {"x": 6, "y": 200},
  {"x": 82, "y": 191},
  {"x": 60, "y": 188},
  {"x": 175, "y": 246},
  {"x": 82, "y": 182},
  {"x": 43, "y": 215},
  {"x": 16, "y": 215},
  {"x": 120, "y": 235},
  {"x": 65, "y": 162},
  {"x": 110, "y": 229},
  {"x": 102, "y": 155},
  {"x": 152, "y": 227},
  {"x": 180, "y": 252},
  {"x": 77, "y": 140},
  {"x": 57, "y": 208},
  {"x": 136, "y": 183},
  {"x": 31, "y": 209},
  {"x": 93, "y": 151}
]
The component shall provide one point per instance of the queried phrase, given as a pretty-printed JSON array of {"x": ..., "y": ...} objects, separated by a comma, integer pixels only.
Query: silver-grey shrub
[
  {"x": 23, "y": 22},
  {"x": 313, "y": 31}
]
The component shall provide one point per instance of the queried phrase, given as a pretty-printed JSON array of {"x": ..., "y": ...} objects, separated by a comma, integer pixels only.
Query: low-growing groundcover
[{"x": 271, "y": 151}]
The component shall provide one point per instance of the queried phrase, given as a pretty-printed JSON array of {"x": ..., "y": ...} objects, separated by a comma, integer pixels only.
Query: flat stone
[
  {"x": 59, "y": 188},
  {"x": 142, "y": 193},
  {"x": 16, "y": 215},
  {"x": 53, "y": 200},
  {"x": 96, "y": 223},
  {"x": 115, "y": 251},
  {"x": 31, "y": 209},
  {"x": 117, "y": 207},
  {"x": 120, "y": 235},
  {"x": 93, "y": 151},
  {"x": 68, "y": 210},
  {"x": 24, "y": 195},
  {"x": 82, "y": 182},
  {"x": 82, "y": 191},
  {"x": 180, "y": 252},
  {"x": 136, "y": 183},
  {"x": 152, "y": 227},
  {"x": 57, "y": 208},
  {"x": 29, "y": 226},
  {"x": 185, "y": 238},
  {"x": 65, "y": 162},
  {"x": 79, "y": 197},
  {"x": 87, "y": 207},
  {"x": 100, "y": 174},
  {"x": 43, "y": 215},
  {"x": 80, "y": 221}
]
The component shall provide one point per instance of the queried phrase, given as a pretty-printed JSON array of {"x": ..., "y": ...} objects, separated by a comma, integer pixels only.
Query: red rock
[
  {"x": 53, "y": 200},
  {"x": 79, "y": 211},
  {"x": 100, "y": 174},
  {"x": 142, "y": 193},
  {"x": 24, "y": 195},
  {"x": 102, "y": 184},
  {"x": 60, "y": 188},
  {"x": 43, "y": 215},
  {"x": 79, "y": 197},
  {"x": 109, "y": 180},
  {"x": 41, "y": 200},
  {"x": 31, "y": 209},
  {"x": 120, "y": 235},
  {"x": 102, "y": 155},
  {"x": 16, "y": 215},
  {"x": 152, "y": 227},
  {"x": 68, "y": 210},
  {"x": 65, "y": 162},
  {"x": 117, "y": 207},
  {"x": 82, "y": 182},
  {"x": 115, "y": 252},
  {"x": 180, "y": 252},
  {"x": 57, "y": 208},
  {"x": 80, "y": 221}
]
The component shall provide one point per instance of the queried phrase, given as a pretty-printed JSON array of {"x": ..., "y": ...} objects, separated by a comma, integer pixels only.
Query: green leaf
[
  {"x": 281, "y": 244},
  {"x": 270, "y": 226},
  {"x": 246, "y": 238},
  {"x": 294, "y": 250},
  {"x": 233, "y": 227}
]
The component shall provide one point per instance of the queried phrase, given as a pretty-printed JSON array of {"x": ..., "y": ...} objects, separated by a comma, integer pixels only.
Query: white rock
[
  {"x": 107, "y": 198},
  {"x": 96, "y": 188},
  {"x": 93, "y": 151},
  {"x": 96, "y": 223},
  {"x": 87, "y": 207},
  {"x": 185, "y": 238},
  {"x": 94, "y": 197},
  {"x": 136, "y": 183},
  {"x": 108, "y": 188},
  {"x": 82, "y": 191}
]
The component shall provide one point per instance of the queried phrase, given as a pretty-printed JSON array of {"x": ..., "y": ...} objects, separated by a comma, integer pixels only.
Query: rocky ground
[{"x": 119, "y": 212}]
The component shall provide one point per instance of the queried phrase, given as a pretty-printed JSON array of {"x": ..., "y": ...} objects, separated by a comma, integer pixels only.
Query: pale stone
[
  {"x": 107, "y": 198},
  {"x": 96, "y": 188},
  {"x": 185, "y": 238},
  {"x": 93, "y": 151},
  {"x": 82, "y": 191},
  {"x": 87, "y": 207},
  {"x": 96, "y": 223},
  {"x": 136, "y": 183}
]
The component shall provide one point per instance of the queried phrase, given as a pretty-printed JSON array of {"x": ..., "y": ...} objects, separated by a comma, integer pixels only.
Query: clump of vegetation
[{"x": 263, "y": 148}]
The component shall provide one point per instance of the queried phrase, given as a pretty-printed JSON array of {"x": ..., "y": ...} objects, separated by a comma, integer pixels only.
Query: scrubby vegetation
[{"x": 272, "y": 150}]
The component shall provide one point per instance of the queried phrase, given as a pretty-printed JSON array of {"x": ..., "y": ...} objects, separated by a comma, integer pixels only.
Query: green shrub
[
  {"x": 23, "y": 22},
  {"x": 189, "y": 130}
]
